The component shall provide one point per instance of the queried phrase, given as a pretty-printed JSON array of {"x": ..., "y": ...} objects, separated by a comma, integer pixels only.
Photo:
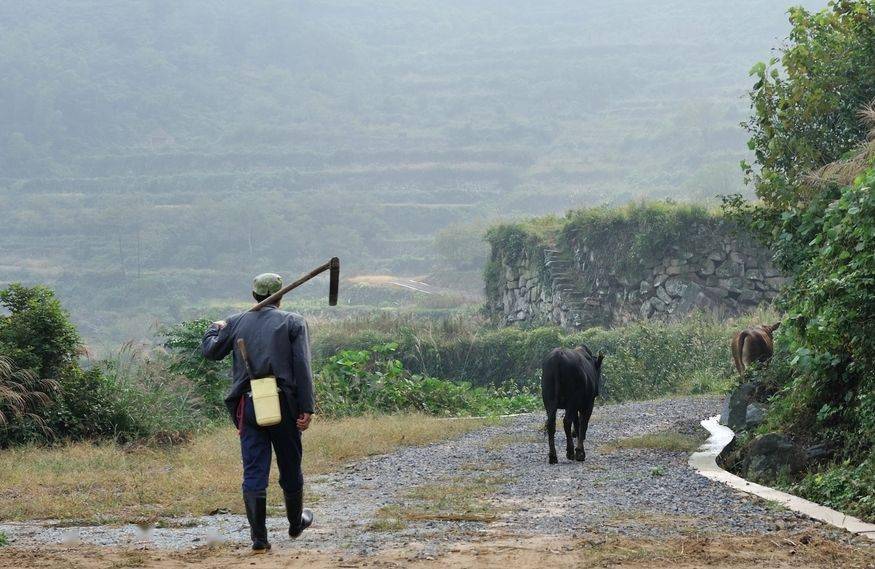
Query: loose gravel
[{"x": 629, "y": 492}]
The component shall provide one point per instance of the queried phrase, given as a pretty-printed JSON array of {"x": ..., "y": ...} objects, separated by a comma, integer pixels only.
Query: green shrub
[
  {"x": 511, "y": 242},
  {"x": 126, "y": 397},
  {"x": 823, "y": 372},
  {"x": 628, "y": 239},
  {"x": 820, "y": 222},
  {"x": 356, "y": 382},
  {"x": 845, "y": 486},
  {"x": 645, "y": 359},
  {"x": 209, "y": 378},
  {"x": 37, "y": 333}
]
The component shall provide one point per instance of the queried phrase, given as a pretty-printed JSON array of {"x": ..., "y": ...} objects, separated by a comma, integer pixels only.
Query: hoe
[{"x": 333, "y": 266}]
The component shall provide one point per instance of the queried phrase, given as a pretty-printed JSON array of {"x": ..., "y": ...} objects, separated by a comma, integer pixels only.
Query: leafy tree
[
  {"x": 210, "y": 378},
  {"x": 37, "y": 333},
  {"x": 806, "y": 107},
  {"x": 814, "y": 178}
]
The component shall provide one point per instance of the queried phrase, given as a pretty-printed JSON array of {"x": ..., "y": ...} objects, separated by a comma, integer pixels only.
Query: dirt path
[{"x": 488, "y": 497}]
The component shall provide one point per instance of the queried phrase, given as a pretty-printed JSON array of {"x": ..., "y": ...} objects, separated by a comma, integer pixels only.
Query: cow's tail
[
  {"x": 738, "y": 350},
  {"x": 551, "y": 380}
]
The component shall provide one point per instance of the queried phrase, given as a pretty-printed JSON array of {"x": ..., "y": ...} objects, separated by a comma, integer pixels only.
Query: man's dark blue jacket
[{"x": 277, "y": 343}]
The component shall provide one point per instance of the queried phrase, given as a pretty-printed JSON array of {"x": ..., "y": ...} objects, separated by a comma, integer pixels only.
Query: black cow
[{"x": 570, "y": 381}]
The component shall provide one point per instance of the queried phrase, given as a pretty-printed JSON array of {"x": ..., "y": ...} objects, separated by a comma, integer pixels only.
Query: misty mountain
[{"x": 154, "y": 155}]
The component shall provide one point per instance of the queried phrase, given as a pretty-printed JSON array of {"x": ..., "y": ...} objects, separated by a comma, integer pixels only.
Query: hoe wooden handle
[{"x": 241, "y": 347}]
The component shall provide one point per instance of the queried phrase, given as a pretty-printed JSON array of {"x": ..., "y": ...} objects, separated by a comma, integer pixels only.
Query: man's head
[{"x": 265, "y": 285}]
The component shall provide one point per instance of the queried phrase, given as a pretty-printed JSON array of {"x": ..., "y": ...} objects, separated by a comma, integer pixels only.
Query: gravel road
[{"x": 507, "y": 489}]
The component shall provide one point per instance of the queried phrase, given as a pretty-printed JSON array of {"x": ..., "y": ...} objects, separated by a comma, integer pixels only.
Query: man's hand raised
[{"x": 220, "y": 324}]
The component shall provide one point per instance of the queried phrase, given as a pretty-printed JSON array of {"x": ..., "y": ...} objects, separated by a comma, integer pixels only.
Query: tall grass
[
  {"x": 130, "y": 396},
  {"x": 643, "y": 359},
  {"x": 23, "y": 398},
  {"x": 356, "y": 382}
]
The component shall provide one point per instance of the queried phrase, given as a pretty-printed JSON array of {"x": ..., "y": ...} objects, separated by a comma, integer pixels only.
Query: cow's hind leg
[
  {"x": 551, "y": 435},
  {"x": 585, "y": 414},
  {"x": 567, "y": 422}
]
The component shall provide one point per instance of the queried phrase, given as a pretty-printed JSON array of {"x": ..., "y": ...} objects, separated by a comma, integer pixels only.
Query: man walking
[{"x": 278, "y": 345}]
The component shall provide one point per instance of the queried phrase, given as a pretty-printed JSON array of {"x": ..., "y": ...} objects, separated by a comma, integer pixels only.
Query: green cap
[{"x": 266, "y": 284}]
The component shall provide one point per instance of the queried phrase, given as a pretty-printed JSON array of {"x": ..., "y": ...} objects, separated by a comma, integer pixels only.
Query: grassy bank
[
  {"x": 643, "y": 359},
  {"x": 107, "y": 483}
]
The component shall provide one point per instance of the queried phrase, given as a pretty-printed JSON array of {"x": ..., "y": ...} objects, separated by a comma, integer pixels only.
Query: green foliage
[
  {"x": 158, "y": 402},
  {"x": 209, "y": 378},
  {"x": 628, "y": 239},
  {"x": 645, "y": 359},
  {"x": 37, "y": 334},
  {"x": 38, "y": 346},
  {"x": 364, "y": 376},
  {"x": 127, "y": 397},
  {"x": 806, "y": 114},
  {"x": 524, "y": 238},
  {"x": 356, "y": 382},
  {"x": 845, "y": 486},
  {"x": 4, "y": 541},
  {"x": 824, "y": 369},
  {"x": 805, "y": 105}
]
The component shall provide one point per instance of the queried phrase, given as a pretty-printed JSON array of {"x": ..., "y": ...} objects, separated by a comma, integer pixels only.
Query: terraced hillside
[{"x": 156, "y": 154}]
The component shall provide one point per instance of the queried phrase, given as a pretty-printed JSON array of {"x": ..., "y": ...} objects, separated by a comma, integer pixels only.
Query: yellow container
[{"x": 266, "y": 401}]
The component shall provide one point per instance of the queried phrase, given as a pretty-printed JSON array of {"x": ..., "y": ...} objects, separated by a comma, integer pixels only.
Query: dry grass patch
[
  {"x": 458, "y": 499},
  {"x": 104, "y": 482}
]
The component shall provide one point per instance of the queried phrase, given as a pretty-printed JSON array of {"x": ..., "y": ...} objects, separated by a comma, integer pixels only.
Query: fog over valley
[{"x": 155, "y": 155}]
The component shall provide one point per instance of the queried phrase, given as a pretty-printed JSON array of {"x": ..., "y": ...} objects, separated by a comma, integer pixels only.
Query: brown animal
[{"x": 753, "y": 344}]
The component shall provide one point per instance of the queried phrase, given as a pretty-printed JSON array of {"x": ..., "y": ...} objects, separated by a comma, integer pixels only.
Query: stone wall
[{"x": 567, "y": 285}]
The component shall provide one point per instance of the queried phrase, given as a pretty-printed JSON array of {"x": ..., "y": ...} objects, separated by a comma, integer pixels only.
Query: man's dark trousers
[{"x": 255, "y": 446}]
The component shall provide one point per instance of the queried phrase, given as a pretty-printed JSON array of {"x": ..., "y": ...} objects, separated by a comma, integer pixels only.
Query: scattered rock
[
  {"x": 773, "y": 456},
  {"x": 658, "y": 305},
  {"x": 676, "y": 287},
  {"x": 662, "y": 295},
  {"x": 756, "y": 414},
  {"x": 708, "y": 267},
  {"x": 819, "y": 452},
  {"x": 734, "y": 413},
  {"x": 729, "y": 269},
  {"x": 716, "y": 291}
]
